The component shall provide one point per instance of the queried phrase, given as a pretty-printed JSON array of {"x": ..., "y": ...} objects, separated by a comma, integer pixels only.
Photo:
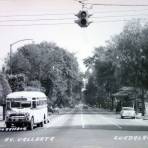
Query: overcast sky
[{"x": 37, "y": 15}]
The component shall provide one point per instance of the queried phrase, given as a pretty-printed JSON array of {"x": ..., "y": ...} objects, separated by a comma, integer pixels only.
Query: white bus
[{"x": 26, "y": 109}]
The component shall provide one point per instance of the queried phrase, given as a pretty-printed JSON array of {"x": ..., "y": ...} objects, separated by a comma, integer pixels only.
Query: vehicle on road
[
  {"x": 26, "y": 109},
  {"x": 128, "y": 112}
]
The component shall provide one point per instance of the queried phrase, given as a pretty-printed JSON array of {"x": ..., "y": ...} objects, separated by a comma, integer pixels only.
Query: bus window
[
  {"x": 15, "y": 104},
  {"x": 26, "y": 104}
]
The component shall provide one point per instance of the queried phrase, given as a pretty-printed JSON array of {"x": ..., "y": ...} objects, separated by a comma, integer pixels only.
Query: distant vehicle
[
  {"x": 128, "y": 112},
  {"x": 26, "y": 108}
]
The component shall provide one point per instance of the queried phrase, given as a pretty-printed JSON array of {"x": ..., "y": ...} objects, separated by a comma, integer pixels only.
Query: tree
[
  {"x": 123, "y": 61},
  {"x": 54, "y": 67},
  {"x": 5, "y": 90}
]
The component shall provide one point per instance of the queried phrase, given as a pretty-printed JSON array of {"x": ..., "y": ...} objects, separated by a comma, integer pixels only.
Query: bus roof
[{"x": 27, "y": 94}]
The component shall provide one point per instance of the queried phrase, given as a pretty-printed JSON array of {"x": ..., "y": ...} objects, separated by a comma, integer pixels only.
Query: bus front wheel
[{"x": 41, "y": 124}]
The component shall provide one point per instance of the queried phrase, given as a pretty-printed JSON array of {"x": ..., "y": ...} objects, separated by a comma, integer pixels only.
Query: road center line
[
  {"x": 82, "y": 119},
  {"x": 52, "y": 138}
]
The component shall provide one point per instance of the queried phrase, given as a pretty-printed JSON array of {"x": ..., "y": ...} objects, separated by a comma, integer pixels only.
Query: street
[{"x": 79, "y": 128}]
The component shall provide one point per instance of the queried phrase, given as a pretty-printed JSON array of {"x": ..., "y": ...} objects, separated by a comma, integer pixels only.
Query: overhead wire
[
  {"x": 110, "y": 16},
  {"x": 69, "y": 13},
  {"x": 118, "y": 20},
  {"x": 119, "y": 5},
  {"x": 61, "y": 19},
  {"x": 55, "y": 24},
  {"x": 120, "y": 11},
  {"x": 42, "y": 14},
  {"x": 36, "y": 24},
  {"x": 39, "y": 19}
]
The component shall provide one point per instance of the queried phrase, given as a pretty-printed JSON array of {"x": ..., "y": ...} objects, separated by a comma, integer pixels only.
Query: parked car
[{"x": 128, "y": 112}]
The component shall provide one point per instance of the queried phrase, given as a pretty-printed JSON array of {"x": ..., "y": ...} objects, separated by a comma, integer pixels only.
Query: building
[{"x": 127, "y": 97}]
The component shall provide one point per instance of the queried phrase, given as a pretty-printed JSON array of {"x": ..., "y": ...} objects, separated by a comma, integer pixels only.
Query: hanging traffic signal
[{"x": 83, "y": 18}]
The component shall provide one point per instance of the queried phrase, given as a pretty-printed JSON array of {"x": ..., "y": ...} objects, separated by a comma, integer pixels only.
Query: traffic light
[{"x": 83, "y": 18}]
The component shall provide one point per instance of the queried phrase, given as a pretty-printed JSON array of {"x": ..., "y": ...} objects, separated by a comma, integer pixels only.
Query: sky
[{"x": 33, "y": 19}]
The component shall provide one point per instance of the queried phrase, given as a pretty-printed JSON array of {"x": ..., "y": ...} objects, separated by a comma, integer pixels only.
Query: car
[{"x": 128, "y": 112}]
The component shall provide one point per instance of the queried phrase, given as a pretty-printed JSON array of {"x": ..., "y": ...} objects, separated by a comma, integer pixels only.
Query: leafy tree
[
  {"x": 5, "y": 90},
  {"x": 54, "y": 67},
  {"x": 123, "y": 61}
]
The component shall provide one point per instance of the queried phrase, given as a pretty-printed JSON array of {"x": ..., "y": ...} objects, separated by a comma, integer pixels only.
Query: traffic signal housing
[{"x": 83, "y": 17}]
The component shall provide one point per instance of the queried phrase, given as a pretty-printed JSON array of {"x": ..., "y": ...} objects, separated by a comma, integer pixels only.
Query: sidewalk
[{"x": 2, "y": 123}]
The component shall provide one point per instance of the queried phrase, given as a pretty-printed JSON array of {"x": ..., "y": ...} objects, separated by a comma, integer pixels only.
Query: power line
[
  {"x": 122, "y": 5},
  {"x": 31, "y": 20},
  {"x": 110, "y": 21},
  {"x": 98, "y": 17},
  {"x": 60, "y": 19},
  {"x": 120, "y": 11},
  {"x": 60, "y": 14},
  {"x": 55, "y": 24},
  {"x": 29, "y": 25},
  {"x": 42, "y": 14}
]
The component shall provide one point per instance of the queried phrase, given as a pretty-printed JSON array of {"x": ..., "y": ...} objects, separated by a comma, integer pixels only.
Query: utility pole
[{"x": 11, "y": 45}]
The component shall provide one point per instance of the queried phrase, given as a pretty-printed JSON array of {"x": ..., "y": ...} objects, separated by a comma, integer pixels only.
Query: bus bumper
[{"x": 17, "y": 122}]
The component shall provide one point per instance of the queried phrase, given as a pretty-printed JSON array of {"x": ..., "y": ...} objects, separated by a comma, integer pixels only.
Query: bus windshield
[
  {"x": 25, "y": 104},
  {"x": 20, "y": 104}
]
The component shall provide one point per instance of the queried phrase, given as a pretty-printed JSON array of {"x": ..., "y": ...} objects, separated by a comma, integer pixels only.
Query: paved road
[{"x": 80, "y": 128}]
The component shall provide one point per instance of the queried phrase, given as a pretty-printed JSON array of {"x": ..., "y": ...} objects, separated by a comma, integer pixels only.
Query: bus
[{"x": 26, "y": 109}]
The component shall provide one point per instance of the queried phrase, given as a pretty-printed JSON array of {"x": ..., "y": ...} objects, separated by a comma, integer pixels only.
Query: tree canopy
[
  {"x": 123, "y": 61},
  {"x": 4, "y": 89},
  {"x": 55, "y": 68}
]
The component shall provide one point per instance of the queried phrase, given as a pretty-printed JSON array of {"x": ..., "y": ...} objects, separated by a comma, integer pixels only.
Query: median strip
[{"x": 82, "y": 119}]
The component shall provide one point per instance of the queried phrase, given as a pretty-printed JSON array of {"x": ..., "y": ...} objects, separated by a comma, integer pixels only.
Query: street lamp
[{"x": 11, "y": 51}]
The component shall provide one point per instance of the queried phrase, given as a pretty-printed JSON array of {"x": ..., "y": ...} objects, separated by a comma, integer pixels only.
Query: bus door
[
  {"x": 8, "y": 105},
  {"x": 35, "y": 110}
]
